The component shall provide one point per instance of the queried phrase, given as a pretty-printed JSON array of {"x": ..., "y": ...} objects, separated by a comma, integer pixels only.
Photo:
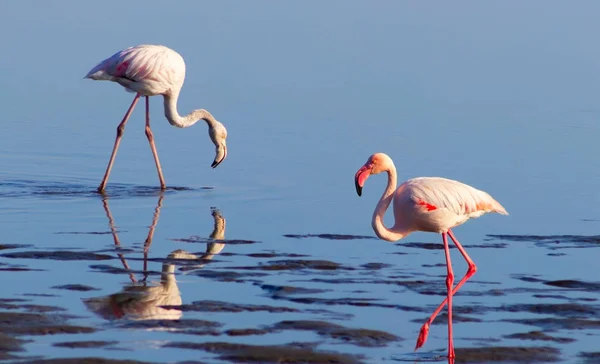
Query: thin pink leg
[
  {"x": 152, "y": 146},
  {"x": 120, "y": 130},
  {"x": 470, "y": 272},
  {"x": 449, "y": 283}
]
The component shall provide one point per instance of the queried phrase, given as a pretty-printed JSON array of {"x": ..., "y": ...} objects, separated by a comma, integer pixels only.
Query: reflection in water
[{"x": 141, "y": 300}]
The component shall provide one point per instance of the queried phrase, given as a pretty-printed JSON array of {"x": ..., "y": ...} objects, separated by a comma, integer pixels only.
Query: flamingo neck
[
  {"x": 167, "y": 277},
  {"x": 171, "y": 113},
  {"x": 383, "y": 232}
]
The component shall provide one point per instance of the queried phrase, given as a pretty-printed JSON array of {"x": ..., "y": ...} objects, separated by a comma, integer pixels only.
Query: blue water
[{"x": 502, "y": 95}]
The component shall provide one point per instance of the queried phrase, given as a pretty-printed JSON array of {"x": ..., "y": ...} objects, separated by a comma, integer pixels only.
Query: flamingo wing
[
  {"x": 434, "y": 193},
  {"x": 148, "y": 63}
]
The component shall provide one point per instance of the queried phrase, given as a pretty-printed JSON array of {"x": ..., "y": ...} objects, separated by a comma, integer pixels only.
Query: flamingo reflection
[{"x": 141, "y": 300}]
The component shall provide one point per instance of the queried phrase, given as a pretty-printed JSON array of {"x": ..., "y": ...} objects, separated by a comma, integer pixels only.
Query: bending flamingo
[
  {"x": 150, "y": 70},
  {"x": 429, "y": 204}
]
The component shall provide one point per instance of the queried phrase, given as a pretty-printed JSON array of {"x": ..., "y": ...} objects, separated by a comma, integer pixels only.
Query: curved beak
[
  {"x": 358, "y": 187},
  {"x": 360, "y": 177},
  {"x": 220, "y": 157},
  {"x": 215, "y": 163}
]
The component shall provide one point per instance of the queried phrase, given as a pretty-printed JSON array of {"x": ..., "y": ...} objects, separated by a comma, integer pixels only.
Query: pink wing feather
[{"x": 440, "y": 193}]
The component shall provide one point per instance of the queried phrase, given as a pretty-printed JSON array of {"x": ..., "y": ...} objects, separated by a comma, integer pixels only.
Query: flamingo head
[
  {"x": 218, "y": 135},
  {"x": 377, "y": 163}
]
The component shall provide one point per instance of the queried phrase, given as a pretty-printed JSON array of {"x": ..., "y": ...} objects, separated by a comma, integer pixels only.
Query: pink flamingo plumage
[
  {"x": 430, "y": 204},
  {"x": 150, "y": 70}
]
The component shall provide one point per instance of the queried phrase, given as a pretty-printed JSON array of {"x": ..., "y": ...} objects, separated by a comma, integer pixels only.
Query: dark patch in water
[
  {"x": 20, "y": 323},
  {"x": 8, "y": 300},
  {"x": 574, "y": 284},
  {"x": 486, "y": 246},
  {"x": 86, "y": 360},
  {"x": 14, "y": 246},
  {"x": 274, "y": 255},
  {"x": 201, "y": 239},
  {"x": 226, "y": 276},
  {"x": 426, "y": 246},
  {"x": 242, "y": 353},
  {"x": 440, "y": 245},
  {"x": 39, "y": 295},
  {"x": 572, "y": 310},
  {"x": 359, "y": 337},
  {"x": 357, "y": 302},
  {"x": 558, "y": 323},
  {"x": 18, "y": 305},
  {"x": 19, "y": 269},
  {"x": 562, "y": 283},
  {"x": 590, "y": 357},
  {"x": 330, "y": 236},
  {"x": 289, "y": 290},
  {"x": 245, "y": 332},
  {"x": 41, "y": 308},
  {"x": 63, "y": 255},
  {"x": 538, "y": 336},
  {"x": 9, "y": 306},
  {"x": 87, "y": 232},
  {"x": 295, "y": 264},
  {"x": 118, "y": 270},
  {"x": 376, "y": 266},
  {"x": 85, "y": 344},
  {"x": 51, "y": 330},
  {"x": 220, "y": 306},
  {"x": 430, "y": 287},
  {"x": 486, "y": 340},
  {"x": 442, "y": 319},
  {"x": 438, "y": 265},
  {"x": 554, "y": 242},
  {"x": 507, "y": 354},
  {"x": 76, "y": 287},
  {"x": 551, "y": 296},
  {"x": 9, "y": 344}
]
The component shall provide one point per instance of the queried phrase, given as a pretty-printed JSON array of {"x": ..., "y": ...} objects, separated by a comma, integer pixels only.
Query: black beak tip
[
  {"x": 215, "y": 163},
  {"x": 358, "y": 188}
]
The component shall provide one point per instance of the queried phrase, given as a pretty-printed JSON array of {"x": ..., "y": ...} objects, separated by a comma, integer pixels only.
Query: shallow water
[{"x": 502, "y": 96}]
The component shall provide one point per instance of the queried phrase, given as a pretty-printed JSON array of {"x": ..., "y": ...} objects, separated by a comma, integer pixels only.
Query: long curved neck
[
  {"x": 190, "y": 119},
  {"x": 383, "y": 232}
]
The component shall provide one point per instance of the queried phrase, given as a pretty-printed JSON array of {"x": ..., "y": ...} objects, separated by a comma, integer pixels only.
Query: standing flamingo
[
  {"x": 151, "y": 70},
  {"x": 429, "y": 204}
]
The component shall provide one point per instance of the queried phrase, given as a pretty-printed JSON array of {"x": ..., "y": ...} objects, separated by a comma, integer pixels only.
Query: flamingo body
[
  {"x": 435, "y": 204},
  {"x": 430, "y": 204},
  {"x": 150, "y": 70}
]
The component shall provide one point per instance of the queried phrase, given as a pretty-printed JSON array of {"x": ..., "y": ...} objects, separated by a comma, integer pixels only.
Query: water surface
[{"x": 500, "y": 95}]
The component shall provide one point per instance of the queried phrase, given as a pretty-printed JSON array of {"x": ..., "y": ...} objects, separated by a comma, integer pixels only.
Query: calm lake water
[{"x": 501, "y": 95}]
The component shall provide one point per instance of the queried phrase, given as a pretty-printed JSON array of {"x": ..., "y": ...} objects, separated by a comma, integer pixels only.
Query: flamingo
[
  {"x": 142, "y": 300},
  {"x": 430, "y": 204},
  {"x": 150, "y": 70}
]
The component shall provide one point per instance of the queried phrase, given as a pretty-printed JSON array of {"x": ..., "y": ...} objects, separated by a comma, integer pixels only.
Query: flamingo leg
[
  {"x": 470, "y": 272},
  {"x": 148, "y": 241},
  {"x": 113, "y": 229},
  {"x": 120, "y": 130},
  {"x": 152, "y": 146},
  {"x": 449, "y": 283}
]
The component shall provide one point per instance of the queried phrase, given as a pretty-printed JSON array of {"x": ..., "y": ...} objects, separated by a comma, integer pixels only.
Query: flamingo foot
[{"x": 422, "y": 335}]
